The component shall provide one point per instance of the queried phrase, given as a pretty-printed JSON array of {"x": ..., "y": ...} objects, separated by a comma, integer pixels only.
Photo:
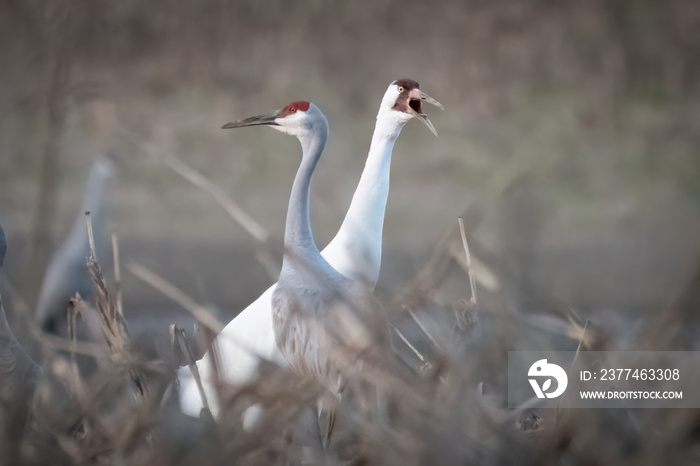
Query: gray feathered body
[{"x": 323, "y": 321}]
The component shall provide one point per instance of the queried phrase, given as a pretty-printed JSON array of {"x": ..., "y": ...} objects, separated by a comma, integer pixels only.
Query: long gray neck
[
  {"x": 298, "y": 238},
  {"x": 93, "y": 195}
]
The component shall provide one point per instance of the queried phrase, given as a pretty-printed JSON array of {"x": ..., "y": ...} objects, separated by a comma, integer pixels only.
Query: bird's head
[
  {"x": 403, "y": 100},
  {"x": 298, "y": 118}
]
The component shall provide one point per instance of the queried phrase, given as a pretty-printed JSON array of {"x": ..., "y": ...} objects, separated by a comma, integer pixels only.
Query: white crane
[
  {"x": 355, "y": 252},
  {"x": 67, "y": 273}
]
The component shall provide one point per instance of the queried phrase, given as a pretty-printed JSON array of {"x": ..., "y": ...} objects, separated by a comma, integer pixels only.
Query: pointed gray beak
[
  {"x": 430, "y": 100},
  {"x": 259, "y": 120}
]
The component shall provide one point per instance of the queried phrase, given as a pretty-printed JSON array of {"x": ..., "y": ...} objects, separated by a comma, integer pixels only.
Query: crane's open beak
[
  {"x": 415, "y": 107},
  {"x": 259, "y": 120}
]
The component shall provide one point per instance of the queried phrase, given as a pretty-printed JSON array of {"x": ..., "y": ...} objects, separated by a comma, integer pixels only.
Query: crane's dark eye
[
  {"x": 292, "y": 110},
  {"x": 401, "y": 89}
]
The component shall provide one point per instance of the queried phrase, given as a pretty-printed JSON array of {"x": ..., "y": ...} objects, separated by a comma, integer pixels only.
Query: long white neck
[
  {"x": 298, "y": 238},
  {"x": 356, "y": 250}
]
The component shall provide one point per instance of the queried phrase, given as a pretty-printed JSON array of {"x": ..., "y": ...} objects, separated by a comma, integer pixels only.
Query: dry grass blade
[
  {"x": 573, "y": 363},
  {"x": 425, "y": 331},
  {"x": 169, "y": 290},
  {"x": 472, "y": 283},
  {"x": 253, "y": 228},
  {"x": 232, "y": 208},
  {"x": 435, "y": 269},
  {"x": 72, "y": 313},
  {"x": 179, "y": 340},
  {"x": 580, "y": 342},
  {"x": 48, "y": 342},
  {"x": 117, "y": 275},
  {"x": 408, "y": 343}
]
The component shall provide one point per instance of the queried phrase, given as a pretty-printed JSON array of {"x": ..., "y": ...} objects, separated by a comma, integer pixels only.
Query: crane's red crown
[{"x": 298, "y": 106}]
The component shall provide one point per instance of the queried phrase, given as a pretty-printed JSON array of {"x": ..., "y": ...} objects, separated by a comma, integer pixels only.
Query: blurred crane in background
[{"x": 67, "y": 273}]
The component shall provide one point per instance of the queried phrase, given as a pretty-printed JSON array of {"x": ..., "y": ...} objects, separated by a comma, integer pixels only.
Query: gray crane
[
  {"x": 67, "y": 272},
  {"x": 322, "y": 320}
]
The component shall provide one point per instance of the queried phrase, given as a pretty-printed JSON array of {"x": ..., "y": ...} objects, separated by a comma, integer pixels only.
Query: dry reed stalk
[
  {"x": 408, "y": 344},
  {"x": 420, "y": 325},
  {"x": 179, "y": 340},
  {"x": 72, "y": 313},
  {"x": 571, "y": 366},
  {"x": 157, "y": 282},
  {"x": 265, "y": 255},
  {"x": 472, "y": 284},
  {"x": 235, "y": 211},
  {"x": 435, "y": 418},
  {"x": 117, "y": 275},
  {"x": 113, "y": 324},
  {"x": 435, "y": 269},
  {"x": 49, "y": 343}
]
